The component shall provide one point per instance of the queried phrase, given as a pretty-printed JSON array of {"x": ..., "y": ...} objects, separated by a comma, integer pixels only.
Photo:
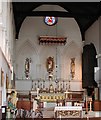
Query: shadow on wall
[{"x": 89, "y": 61}]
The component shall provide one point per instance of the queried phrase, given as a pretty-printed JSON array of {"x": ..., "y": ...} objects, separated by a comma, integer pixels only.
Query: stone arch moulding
[{"x": 27, "y": 43}]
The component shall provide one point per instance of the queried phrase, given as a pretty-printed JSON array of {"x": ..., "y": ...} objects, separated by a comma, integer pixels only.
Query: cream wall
[
  {"x": 7, "y": 34},
  {"x": 27, "y": 46},
  {"x": 92, "y": 35}
]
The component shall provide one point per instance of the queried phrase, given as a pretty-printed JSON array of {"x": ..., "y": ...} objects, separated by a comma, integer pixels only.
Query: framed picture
[
  {"x": 13, "y": 81},
  {"x": 2, "y": 77},
  {"x": 7, "y": 82},
  {"x": 0, "y": 98}
]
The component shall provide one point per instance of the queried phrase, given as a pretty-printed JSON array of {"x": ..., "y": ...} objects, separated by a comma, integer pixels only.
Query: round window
[{"x": 50, "y": 20}]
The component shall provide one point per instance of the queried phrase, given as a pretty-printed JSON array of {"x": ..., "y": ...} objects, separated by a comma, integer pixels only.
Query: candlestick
[
  {"x": 60, "y": 117},
  {"x": 35, "y": 86},
  {"x": 90, "y": 104},
  {"x": 87, "y": 118},
  {"x": 37, "y": 91},
  {"x": 86, "y": 105}
]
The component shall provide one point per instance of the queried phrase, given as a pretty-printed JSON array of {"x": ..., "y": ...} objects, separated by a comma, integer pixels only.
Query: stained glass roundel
[{"x": 50, "y": 20}]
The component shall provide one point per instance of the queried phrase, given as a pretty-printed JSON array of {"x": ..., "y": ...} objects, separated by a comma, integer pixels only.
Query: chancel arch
[{"x": 49, "y": 7}]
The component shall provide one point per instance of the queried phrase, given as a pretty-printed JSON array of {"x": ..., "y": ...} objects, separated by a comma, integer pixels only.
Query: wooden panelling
[
  {"x": 97, "y": 105},
  {"x": 26, "y": 105}
]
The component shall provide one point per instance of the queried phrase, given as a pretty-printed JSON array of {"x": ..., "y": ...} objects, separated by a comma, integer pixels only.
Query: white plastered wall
[
  {"x": 27, "y": 46},
  {"x": 6, "y": 44}
]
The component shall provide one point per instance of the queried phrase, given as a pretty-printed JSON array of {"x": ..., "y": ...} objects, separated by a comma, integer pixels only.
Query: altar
[{"x": 68, "y": 112}]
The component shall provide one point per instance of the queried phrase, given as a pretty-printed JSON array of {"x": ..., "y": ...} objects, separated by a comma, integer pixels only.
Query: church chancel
[
  {"x": 50, "y": 57},
  {"x": 53, "y": 93}
]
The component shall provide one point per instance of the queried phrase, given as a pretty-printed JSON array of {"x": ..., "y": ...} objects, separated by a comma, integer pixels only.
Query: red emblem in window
[{"x": 50, "y": 20}]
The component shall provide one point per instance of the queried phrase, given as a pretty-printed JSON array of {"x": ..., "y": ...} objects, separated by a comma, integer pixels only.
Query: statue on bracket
[
  {"x": 50, "y": 64},
  {"x": 27, "y": 67},
  {"x": 72, "y": 67}
]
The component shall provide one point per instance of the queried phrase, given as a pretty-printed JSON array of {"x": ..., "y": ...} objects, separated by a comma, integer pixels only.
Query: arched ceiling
[{"x": 85, "y": 13}]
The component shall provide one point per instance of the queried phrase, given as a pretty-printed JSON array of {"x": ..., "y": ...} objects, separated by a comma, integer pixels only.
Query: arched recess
[
  {"x": 50, "y": 51},
  {"x": 71, "y": 51},
  {"x": 29, "y": 44},
  {"x": 27, "y": 50}
]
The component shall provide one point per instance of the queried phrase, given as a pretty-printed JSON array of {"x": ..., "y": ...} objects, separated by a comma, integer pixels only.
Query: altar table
[{"x": 68, "y": 111}]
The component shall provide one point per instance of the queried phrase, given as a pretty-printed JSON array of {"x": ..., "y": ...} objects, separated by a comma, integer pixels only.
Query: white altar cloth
[{"x": 76, "y": 108}]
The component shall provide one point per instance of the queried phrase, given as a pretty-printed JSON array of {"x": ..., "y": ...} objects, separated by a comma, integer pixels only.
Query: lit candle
[{"x": 87, "y": 118}]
